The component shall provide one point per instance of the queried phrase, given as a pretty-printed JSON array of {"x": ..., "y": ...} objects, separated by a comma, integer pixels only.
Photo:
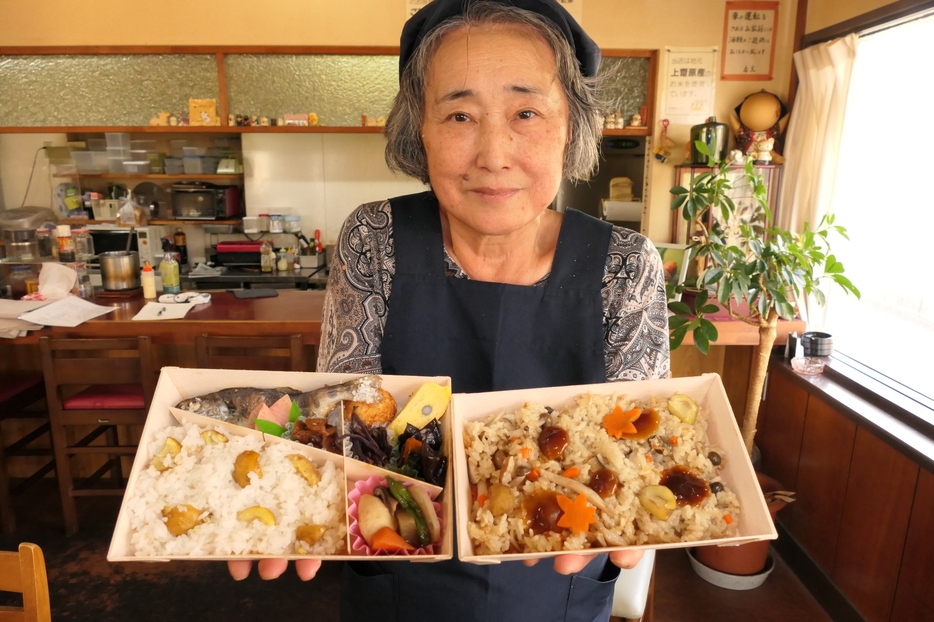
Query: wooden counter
[{"x": 292, "y": 311}]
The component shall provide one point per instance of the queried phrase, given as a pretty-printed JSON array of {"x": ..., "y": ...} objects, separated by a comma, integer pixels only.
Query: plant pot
[{"x": 745, "y": 559}]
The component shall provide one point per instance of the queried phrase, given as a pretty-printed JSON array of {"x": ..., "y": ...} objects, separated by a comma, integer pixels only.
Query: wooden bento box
[
  {"x": 176, "y": 384},
  {"x": 735, "y": 472}
]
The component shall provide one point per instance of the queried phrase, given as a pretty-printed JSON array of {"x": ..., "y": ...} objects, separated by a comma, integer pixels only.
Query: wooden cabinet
[
  {"x": 914, "y": 598},
  {"x": 874, "y": 525},
  {"x": 863, "y": 511}
]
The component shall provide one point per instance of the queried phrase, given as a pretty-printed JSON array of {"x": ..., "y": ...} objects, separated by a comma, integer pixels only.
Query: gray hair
[{"x": 405, "y": 151}]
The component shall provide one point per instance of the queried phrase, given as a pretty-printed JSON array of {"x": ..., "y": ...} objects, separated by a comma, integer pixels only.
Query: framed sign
[
  {"x": 690, "y": 84},
  {"x": 749, "y": 35}
]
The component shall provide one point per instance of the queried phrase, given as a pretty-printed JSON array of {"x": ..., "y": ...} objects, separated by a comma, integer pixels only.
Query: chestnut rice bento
[{"x": 603, "y": 471}]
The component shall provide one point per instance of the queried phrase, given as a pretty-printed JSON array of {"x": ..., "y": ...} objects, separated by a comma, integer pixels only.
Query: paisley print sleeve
[
  {"x": 635, "y": 310},
  {"x": 358, "y": 287}
]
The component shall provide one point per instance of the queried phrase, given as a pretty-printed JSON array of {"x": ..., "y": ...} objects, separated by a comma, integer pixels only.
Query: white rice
[
  {"x": 201, "y": 476},
  {"x": 590, "y": 448}
]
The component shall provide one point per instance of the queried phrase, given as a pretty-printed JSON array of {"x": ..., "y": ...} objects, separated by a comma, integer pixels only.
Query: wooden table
[{"x": 292, "y": 311}]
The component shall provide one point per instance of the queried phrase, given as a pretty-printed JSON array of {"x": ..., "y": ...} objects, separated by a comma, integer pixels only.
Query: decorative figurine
[
  {"x": 231, "y": 119},
  {"x": 280, "y": 121},
  {"x": 274, "y": 122},
  {"x": 762, "y": 150},
  {"x": 312, "y": 118},
  {"x": 183, "y": 118},
  {"x": 264, "y": 120},
  {"x": 381, "y": 121},
  {"x": 173, "y": 120},
  {"x": 253, "y": 120},
  {"x": 161, "y": 118},
  {"x": 636, "y": 120},
  {"x": 760, "y": 116},
  {"x": 665, "y": 144}
]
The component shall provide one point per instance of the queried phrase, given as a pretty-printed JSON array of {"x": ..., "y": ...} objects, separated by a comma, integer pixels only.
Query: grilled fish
[{"x": 234, "y": 405}]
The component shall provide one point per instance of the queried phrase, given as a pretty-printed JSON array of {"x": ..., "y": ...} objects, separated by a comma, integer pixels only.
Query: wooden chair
[
  {"x": 17, "y": 393},
  {"x": 98, "y": 384},
  {"x": 24, "y": 572},
  {"x": 273, "y": 353}
]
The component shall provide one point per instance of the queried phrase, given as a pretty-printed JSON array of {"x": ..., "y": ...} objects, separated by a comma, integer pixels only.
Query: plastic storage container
[
  {"x": 276, "y": 223},
  {"x": 117, "y": 139},
  {"x": 178, "y": 147},
  {"x": 90, "y": 162},
  {"x": 194, "y": 151},
  {"x": 293, "y": 224},
  {"x": 96, "y": 144},
  {"x": 264, "y": 223},
  {"x": 137, "y": 167},
  {"x": 143, "y": 145},
  {"x": 174, "y": 166},
  {"x": 197, "y": 165}
]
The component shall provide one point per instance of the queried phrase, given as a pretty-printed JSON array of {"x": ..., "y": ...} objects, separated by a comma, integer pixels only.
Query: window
[{"x": 883, "y": 196}]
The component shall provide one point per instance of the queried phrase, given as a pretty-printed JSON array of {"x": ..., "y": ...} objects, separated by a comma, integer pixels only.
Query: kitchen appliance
[
  {"x": 27, "y": 218},
  {"x": 239, "y": 253},
  {"x": 199, "y": 200},
  {"x": 21, "y": 244},
  {"x": 120, "y": 270},
  {"x": 147, "y": 241}
]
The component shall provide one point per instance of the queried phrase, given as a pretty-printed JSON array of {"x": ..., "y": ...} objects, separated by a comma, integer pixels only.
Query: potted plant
[{"x": 758, "y": 272}]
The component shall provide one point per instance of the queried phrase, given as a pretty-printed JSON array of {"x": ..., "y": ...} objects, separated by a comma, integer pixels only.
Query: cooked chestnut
[
  {"x": 604, "y": 483},
  {"x": 553, "y": 441}
]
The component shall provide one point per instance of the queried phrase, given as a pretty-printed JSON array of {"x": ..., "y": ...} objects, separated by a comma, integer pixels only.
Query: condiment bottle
[
  {"x": 265, "y": 257},
  {"x": 66, "y": 243},
  {"x": 168, "y": 269},
  {"x": 181, "y": 246},
  {"x": 283, "y": 264},
  {"x": 149, "y": 281}
]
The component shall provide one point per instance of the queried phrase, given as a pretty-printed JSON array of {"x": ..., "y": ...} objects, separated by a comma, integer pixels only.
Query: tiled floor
[{"x": 84, "y": 586}]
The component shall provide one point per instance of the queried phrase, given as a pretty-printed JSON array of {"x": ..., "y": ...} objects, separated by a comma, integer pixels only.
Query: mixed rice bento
[{"x": 653, "y": 464}]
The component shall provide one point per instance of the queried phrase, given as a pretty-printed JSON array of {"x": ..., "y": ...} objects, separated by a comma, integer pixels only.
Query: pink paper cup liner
[{"x": 358, "y": 543}]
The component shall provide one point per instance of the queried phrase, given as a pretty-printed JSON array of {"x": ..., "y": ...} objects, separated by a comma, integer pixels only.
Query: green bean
[{"x": 401, "y": 493}]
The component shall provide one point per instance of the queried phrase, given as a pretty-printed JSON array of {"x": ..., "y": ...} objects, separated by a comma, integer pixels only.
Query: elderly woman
[{"x": 477, "y": 279}]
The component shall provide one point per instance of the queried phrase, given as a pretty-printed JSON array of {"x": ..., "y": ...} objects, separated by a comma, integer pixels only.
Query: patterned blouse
[{"x": 635, "y": 316}]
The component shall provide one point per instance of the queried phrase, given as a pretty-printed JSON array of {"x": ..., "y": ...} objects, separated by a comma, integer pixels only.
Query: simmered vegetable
[
  {"x": 372, "y": 515},
  {"x": 401, "y": 493}
]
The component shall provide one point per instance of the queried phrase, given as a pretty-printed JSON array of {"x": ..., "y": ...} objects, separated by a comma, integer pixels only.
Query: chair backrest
[
  {"x": 274, "y": 353},
  {"x": 75, "y": 362},
  {"x": 24, "y": 572}
]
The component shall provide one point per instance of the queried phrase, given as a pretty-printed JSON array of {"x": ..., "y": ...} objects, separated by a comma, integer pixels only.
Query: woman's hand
[
  {"x": 569, "y": 563},
  {"x": 273, "y": 568}
]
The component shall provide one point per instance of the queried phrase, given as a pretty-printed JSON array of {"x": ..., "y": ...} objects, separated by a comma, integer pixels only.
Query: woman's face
[{"x": 495, "y": 127}]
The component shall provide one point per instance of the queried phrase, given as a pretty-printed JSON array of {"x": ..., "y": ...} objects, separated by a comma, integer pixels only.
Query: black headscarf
[{"x": 434, "y": 13}]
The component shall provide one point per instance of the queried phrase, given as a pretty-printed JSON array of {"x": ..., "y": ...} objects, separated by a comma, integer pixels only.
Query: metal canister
[
  {"x": 120, "y": 270},
  {"x": 714, "y": 135}
]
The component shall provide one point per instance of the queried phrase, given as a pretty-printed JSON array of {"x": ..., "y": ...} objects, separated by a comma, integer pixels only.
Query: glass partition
[{"x": 101, "y": 89}]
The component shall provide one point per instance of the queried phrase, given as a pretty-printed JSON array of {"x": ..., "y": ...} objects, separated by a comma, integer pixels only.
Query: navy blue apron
[{"x": 488, "y": 337}]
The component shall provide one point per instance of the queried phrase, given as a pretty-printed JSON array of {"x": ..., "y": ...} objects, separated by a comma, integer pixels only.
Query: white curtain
[{"x": 812, "y": 144}]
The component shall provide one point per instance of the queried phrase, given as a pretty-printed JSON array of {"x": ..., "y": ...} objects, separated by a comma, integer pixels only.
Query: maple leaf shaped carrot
[
  {"x": 618, "y": 422},
  {"x": 577, "y": 516}
]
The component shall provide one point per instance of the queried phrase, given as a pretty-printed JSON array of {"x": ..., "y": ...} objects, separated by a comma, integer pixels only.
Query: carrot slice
[
  {"x": 673, "y": 440},
  {"x": 618, "y": 422},
  {"x": 534, "y": 474},
  {"x": 648, "y": 458},
  {"x": 577, "y": 516},
  {"x": 571, "y": 472},
  {"x": 727, "y": 518},
  {"x": 388, "y": 540},
  {"x": 481, "y": 500},
  {"x": 526, "y": 452}
]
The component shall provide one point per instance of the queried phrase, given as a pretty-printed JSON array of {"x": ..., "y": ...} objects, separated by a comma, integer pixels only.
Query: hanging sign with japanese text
[
  {"x": 690, "y": 84},
  {"x": 749, "y": 35}
]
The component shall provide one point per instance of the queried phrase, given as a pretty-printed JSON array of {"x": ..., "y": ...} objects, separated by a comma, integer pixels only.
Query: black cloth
[
  {"x": 435, "y": 13},
  {"x": 488, "y": 336}
]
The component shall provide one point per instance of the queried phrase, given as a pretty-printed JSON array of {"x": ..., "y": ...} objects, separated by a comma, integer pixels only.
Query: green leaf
[
  {"x": 679, "y": 190},
  {"x": 702, "y": 148},
  {"x": 712, "y": 276},
  {"x": 677, "y": 321},
  {"x": 680, "y": 308},
  {"x": 294, "y": 412},
  {"x": 701, "y": 342},
  {"x": 709, "y": 330},
  {"x": 676, "y": 337},
  {"x": 723, "y": 294},
  {"x": 707, "y": 309},
  {"x": 678, "y": 201},
  {"x": 269, "y": 427},
  {"x": 845, "y": 283}
]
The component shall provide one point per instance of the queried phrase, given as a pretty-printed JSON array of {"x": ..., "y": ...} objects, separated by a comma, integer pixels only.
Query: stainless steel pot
[{"x": 120, "y": 270}]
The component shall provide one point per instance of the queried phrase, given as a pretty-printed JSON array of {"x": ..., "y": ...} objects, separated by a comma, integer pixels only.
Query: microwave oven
[
  {"x": 147, "y": 241},
  {"x": 198, "y": 200}
]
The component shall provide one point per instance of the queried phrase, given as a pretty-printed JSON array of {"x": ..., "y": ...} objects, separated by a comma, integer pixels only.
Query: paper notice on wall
[
  {"x": 749, "y": 40},
  {"x": 690, "y": 84}
]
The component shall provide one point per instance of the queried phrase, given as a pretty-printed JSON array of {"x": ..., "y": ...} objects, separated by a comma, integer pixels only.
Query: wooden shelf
[
  {"x": 177, "y": 223},
  {"x": 153, "y": 176},
  {"x": 187, "y": 129},
  {"x": 629, "y": 131}
]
